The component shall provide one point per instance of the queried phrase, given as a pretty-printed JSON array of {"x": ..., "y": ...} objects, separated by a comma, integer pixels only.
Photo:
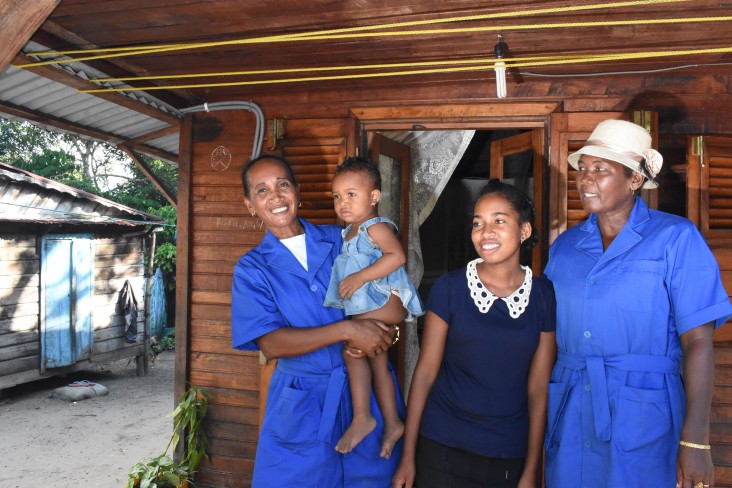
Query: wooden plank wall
[
  {"x": 115, "y": 259},
  {"x": 19, "y": 303},
  {"x": 220, "y": 232}
]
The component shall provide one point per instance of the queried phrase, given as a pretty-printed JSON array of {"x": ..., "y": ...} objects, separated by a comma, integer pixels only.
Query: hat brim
[{"x": 605, "y": 153}]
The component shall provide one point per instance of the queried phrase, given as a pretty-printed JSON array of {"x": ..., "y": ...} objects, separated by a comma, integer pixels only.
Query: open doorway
[{"x": 445, "y": 235}]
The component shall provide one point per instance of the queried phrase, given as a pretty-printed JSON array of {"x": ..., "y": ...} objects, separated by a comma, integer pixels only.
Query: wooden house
[
  {"x": 65, "y": 256},
  {"x": 206, "y": 85}
]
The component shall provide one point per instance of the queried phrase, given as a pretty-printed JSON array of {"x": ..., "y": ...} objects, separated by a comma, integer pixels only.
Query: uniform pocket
[
  {"x": 642, "y": 422},
  {"x": 296, "y": 416},
  {"x": 557, "y": 396},
  {"x": 639, "y": 285}
]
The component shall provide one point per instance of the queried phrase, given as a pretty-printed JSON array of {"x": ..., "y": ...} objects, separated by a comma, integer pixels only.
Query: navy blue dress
[{"x": 479, "y": 401}]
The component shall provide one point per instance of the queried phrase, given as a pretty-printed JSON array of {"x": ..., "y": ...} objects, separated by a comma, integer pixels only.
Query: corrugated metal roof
[
  {"x": 29, "y": 91},
  {"x": 27, "y": 197}
]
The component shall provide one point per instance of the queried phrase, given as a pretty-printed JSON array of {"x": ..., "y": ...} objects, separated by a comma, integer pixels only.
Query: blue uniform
[
  {"x": 616, "y": 399},
  {"x": 308, "y": 404},
  {"x": 358, "y": 253}
]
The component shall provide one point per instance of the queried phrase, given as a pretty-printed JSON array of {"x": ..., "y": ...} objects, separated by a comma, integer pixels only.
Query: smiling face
[
  {"x": 274, "y": 198},
  {"x": 354, "y": 197},
  {"x": 498, "y": 230},
  {"x": 605, "y": 187}
]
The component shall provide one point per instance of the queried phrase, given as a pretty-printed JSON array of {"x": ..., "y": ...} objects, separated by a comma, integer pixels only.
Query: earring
[{"x": 254, "y": 214}]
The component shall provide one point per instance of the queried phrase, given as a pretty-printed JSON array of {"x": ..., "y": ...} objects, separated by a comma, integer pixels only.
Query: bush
[{"x": 162, "y": 471}]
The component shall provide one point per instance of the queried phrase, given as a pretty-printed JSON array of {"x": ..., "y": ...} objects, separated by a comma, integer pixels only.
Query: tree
[{"x": 101, "y": 169}]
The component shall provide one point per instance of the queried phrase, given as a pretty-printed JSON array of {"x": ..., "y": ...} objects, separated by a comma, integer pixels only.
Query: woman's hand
[
  {"x": 369, "y": 337},
  {"x": 692, "y": 466},
  {"x": 404, "y": 476}
]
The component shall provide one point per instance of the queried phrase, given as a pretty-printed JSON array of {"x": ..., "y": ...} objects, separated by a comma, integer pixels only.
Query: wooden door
[
  {"x": 532, "y": 141},
  {"x": 709, "y": 206},
  {"x": 568, "y": 132},
  {"x": 66, "y": 294},
  {"x": 394, "y": 161}
]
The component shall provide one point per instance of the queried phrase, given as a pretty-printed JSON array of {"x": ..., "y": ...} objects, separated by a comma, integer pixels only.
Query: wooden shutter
[{"x": 709, "y": 206}]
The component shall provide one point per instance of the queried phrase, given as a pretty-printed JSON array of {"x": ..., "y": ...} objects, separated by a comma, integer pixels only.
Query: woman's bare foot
[
  {"x": 392, "y": 433},
  {"x": 359, "y": 428}
]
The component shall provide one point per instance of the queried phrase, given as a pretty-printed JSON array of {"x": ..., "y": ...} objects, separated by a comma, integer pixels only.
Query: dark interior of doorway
[{"x": 445, "y": 235}]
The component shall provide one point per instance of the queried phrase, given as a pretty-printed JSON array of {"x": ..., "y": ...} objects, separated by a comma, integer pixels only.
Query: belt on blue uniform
[
  {"x": 333, "y": 394},
  {"x": 645, "y": 363}
]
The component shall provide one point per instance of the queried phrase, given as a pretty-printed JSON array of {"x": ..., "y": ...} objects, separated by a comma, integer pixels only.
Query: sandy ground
[{"x": 46, "y": 442}]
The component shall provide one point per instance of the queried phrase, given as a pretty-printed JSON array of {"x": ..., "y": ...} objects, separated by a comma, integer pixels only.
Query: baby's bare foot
[
  {"x": 392, "y": 433},
  {"x": 355, "y": 433}
]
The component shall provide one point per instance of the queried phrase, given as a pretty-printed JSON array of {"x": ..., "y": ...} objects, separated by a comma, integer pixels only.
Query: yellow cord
[
  {"x": 339, "y": 33},
  {"x": 488, "y": 65}
]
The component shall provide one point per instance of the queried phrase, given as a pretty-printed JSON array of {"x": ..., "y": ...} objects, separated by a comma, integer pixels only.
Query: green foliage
[
  {"x": 170, "y": 215},
  {"x": 162, "y": 471},
  {"x": 165, "y": 343},
  {"x": 164, "y": 259},
  {"x": 84, "y": 164}
]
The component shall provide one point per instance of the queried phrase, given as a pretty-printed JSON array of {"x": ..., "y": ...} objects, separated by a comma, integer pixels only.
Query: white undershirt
[{"x": 296, "y": 245}]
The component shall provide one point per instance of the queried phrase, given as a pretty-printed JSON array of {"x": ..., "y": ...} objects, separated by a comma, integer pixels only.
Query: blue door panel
[
  {"x": 82, "y": 267},
  {"x": 67, "y": 288},
  {"x": 57, "y": 338}
]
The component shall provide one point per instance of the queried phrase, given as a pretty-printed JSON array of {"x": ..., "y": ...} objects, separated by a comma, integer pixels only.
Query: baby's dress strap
[{"x": 377, "y": 220}]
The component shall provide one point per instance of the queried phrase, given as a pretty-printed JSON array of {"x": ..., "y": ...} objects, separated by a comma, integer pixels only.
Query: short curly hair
[{"x": 362, "y": 165}]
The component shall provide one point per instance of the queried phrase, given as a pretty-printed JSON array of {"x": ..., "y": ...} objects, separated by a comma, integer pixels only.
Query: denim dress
[{"x": 358, "y": 253}]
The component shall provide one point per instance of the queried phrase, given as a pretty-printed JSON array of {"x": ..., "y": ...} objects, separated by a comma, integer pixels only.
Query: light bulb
[{"x": 500, "y": 68}]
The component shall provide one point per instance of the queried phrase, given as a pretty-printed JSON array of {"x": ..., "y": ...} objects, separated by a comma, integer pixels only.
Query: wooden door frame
[{"x": 459, "y": 116}]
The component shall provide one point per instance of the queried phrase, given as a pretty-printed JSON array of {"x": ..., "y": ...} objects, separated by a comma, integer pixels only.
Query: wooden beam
[
  {"x": 19, "y": 19},
  {"x": 114, "y": 67},
  {"x": 147, "y": 171},
  {"x": 74, "y": 128},
  {"x": 173, "y": 129},
  {"x": 66, "y": 78}
]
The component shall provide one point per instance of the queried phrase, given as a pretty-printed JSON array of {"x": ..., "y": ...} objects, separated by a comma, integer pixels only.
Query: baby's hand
[{"x": 349, "y": 285}]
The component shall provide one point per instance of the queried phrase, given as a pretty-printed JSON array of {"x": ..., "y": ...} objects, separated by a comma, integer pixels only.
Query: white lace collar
[{"x": 483, "y": 298}]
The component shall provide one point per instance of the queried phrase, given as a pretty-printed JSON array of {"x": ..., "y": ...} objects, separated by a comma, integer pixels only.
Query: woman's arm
[
  {"x": 692, "y": 464},
  {"x": 369, "y": 336},
  {"x": 393, "y": 256},
  {"x": 434, "y": 337},
  {"x": 539, "y": 374}
]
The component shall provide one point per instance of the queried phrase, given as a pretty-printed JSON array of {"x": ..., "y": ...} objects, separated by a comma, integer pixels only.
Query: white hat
[{"x": 626, "y": 143}]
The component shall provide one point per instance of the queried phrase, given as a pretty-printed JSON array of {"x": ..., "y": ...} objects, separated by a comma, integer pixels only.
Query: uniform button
[
  {"x": 591, "y": 281},
  {"x": 588, "y": 387},
  {"x": 313, "y": 288},
  {"x": 587, "y": 334},
  {"x": 587, "y": 443}
]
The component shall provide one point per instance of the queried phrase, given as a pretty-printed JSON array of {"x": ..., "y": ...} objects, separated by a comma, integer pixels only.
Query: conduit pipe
[{"x": 237, "y": 105}]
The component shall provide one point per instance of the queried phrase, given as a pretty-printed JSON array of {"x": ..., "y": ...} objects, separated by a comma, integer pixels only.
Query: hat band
[{"x": 620, "y": 150}]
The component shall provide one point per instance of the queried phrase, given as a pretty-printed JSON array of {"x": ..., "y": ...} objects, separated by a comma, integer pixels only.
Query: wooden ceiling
[{"x": 653, "y": 35}]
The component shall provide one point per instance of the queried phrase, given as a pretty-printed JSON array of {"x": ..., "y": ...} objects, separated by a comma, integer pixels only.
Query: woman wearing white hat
[{"x": 637, "y": 291}]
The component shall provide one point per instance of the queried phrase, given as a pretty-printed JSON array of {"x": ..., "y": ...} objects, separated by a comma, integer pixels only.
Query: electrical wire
[{"x": 329, "y": 33}]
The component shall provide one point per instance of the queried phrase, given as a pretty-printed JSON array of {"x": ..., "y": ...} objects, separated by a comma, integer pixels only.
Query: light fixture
[{"x": 500, "y": 68}]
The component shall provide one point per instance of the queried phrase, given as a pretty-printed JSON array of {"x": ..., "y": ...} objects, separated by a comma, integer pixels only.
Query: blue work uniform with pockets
[
  {"x": 616, "y": 398},
  {"x": 309, "y": 403}
]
